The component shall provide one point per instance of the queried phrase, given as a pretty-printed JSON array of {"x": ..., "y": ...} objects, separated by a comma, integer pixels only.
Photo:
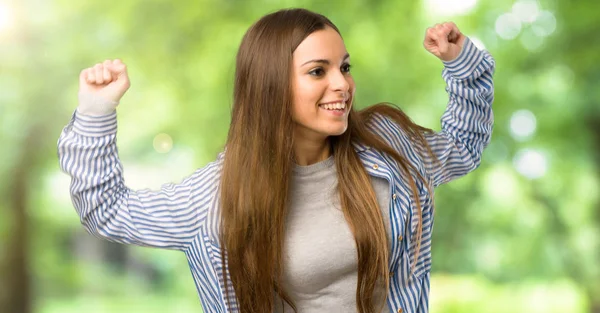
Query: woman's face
[{"x": 323, "y": 87}]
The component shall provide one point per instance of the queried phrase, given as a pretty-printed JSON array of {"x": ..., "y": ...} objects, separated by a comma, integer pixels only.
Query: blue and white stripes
[{"x": 184, "y": 216}]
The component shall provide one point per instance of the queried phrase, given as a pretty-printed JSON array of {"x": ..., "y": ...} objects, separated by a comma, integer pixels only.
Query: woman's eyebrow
[{"x": 324, "y": 61}]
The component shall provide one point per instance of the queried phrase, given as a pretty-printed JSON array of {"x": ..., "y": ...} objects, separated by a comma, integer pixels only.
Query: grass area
[
  {"x": 455, "y": 294},
  {"x": 99, "y": 304},
  {"x": 449, "y": 294}
]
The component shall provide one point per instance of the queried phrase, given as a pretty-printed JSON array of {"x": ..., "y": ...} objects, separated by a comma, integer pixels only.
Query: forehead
[{"x": 322, "y": 44}]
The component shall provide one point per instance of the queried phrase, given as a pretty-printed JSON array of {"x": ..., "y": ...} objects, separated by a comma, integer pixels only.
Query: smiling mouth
[{"x": 336, "y": 106}]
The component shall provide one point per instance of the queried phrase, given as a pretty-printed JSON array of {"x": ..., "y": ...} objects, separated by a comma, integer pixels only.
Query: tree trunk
[
  {"x": 593, "y": 123},
  {"x": 17, "y": 275},
  {"x": 17, "y": 279}
]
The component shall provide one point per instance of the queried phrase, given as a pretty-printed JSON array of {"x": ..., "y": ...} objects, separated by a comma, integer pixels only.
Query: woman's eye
[
  {"x": 346, "y": 68},
  {"x": 317, "y": 72}
]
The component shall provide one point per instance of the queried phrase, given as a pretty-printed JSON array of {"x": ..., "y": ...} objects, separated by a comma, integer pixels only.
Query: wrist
[{"x": 93, "y": 105}]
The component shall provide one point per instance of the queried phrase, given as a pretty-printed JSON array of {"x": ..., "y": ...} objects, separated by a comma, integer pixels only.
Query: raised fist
[
  {"x": 444, "y": 41},
  {"x": 101, "y": 87}
]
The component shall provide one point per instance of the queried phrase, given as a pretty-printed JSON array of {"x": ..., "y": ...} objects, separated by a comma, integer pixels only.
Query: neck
[{"x": 310, "y": 149}]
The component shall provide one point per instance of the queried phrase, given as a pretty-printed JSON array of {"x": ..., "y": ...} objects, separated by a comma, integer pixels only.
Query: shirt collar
[{"x": 359, "y": 146}]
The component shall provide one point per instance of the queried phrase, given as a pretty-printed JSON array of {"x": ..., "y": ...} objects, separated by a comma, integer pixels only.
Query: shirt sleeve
[
  {"x": 167, "y": 218},
  {"x": 468, "y": 119}
]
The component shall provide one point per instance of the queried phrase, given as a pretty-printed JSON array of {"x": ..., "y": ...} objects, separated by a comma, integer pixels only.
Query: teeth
[{"x": 334, "y": 106}]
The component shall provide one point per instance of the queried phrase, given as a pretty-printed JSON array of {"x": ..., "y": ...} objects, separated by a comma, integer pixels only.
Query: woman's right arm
[{"x": 167, "y": 218}]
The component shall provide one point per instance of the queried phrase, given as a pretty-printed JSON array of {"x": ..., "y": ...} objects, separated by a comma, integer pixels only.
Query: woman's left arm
[{"x": 468, "y": 120}]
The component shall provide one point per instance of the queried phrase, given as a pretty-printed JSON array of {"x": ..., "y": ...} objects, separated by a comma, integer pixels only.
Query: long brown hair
[{"x": 258, "y": 164}]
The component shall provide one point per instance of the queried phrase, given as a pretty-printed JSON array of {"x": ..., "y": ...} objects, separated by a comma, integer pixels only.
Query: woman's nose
[{"x": 339, "y": 82}]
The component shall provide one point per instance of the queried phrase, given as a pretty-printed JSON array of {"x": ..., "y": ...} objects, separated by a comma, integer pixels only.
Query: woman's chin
[{"x": 337, "y": 131}]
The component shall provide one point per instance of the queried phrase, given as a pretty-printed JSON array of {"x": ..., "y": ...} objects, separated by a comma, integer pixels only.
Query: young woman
[{"x": 313, "y": 206}]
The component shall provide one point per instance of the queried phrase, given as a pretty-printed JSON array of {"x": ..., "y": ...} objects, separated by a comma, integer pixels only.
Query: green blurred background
[{"x": 521, "y": 234}]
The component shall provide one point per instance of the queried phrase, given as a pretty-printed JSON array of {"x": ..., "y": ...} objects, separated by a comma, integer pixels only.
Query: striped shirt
[{"x": 185, "y": 217}]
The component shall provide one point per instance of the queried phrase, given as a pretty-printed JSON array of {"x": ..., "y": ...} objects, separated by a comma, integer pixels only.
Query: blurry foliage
[{"x": 502, "y": 242}]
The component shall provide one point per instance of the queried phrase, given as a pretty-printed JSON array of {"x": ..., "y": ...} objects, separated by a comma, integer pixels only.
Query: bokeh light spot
[{"x": 163, "y": 143}]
